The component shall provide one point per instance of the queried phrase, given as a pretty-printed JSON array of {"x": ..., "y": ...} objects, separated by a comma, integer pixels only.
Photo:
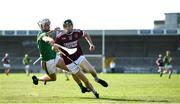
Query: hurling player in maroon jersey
[
  {"x": 70, "y": 38},
  {"x": 6, "y": 63}
]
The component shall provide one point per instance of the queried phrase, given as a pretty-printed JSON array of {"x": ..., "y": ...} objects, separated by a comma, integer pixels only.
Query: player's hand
[
  {"x": 52, "y": 42},
  {"x": 55, "y": 48},
  {"x": 92, "y": 47}
]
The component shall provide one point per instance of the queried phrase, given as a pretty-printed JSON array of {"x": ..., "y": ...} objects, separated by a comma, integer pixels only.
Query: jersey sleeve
[
  {"x": 23, "y": 60},
  {"x": 58, "y": 40},
  {"x": 81, "y": 33},
  {"x": 41, "y": 35}
]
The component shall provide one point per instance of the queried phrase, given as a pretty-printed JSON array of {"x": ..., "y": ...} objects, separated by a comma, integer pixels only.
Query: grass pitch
[{"x": 123, "y": 88}]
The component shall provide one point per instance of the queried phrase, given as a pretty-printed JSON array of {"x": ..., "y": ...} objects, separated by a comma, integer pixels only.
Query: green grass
[{"x": 123, "y": 88}]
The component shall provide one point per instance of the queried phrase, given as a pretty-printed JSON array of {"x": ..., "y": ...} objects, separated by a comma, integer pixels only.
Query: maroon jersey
[
  {"x": 70, "y": 40},
  {"x": 5, "y": 60},
  {"x": 160, "y": 61}
]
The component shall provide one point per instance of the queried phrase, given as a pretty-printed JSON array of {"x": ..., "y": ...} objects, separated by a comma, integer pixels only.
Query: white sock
[
  {"x": 94, "y": 91},
  {"x": 96, "y": 79}
]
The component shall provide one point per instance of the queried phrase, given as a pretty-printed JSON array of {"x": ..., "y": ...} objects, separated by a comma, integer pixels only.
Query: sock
[
  {"x": 169, "y": 76},
  {"x": 161, "y": 74},
  {"x": 94, "y": 91},
  {"x": 81, "y": 85},
  {"x": 96, "y": 79}
]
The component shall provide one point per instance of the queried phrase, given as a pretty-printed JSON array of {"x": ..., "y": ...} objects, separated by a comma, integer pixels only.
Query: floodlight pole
[{"x": 103, "y": 52}]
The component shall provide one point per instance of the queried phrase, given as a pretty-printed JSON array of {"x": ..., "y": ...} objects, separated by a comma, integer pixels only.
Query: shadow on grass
[
  {"x": 55, "y": 99},
  {"x": 122, "y": 99}
]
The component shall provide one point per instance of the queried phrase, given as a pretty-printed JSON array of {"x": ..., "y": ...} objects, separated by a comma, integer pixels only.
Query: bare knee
[
  {"x": 87, "y": 66},
  {"x": 62, "y": 65},
  {"x": 81, "y": 76},
  {"x": 85, "y": 80}
]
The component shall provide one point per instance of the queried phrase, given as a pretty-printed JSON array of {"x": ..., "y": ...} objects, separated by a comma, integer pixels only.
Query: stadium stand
[{"x": 134, "y": 50}]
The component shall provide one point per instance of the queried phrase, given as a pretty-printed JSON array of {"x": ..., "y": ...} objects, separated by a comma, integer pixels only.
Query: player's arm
[
  {"x": 164, "y": 58},
  {"x": 23, "y": 61},
  {"x": 170, "y": 59},
  {"x": 55, "y": 47},
  {"x": 157, "y": 61},
  {"x": 48, "y": 39},
  {"x": 88, "y": 39}
]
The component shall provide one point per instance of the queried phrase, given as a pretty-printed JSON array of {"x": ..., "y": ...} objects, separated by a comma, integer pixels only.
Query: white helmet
[
  {"x": 6, "y": 54},
  {"x": 41, "y": 23},
  {"x": 160, "y": 56}
]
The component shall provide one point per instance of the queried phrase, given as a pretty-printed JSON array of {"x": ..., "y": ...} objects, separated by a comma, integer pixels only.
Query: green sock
[{"x": 81, "y": 85}]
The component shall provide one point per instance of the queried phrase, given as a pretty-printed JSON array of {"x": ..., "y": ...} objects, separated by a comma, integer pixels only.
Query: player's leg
[
  {"x": 170, "y": 70},
  {"x": 44, "y": 78},
  {"x": 6, "y": 71},
  {"x": 7, "y": 68},
  {"x": 165, "y": 69},
  {"x": 66, "y": 75},
  {"x": 62, "y": 65},
  {"x": 81, "y": 76},
  {"x": 161, "y": 71},
  {"x": 75, "y": 69},
  {"x": 170, "y": 73},
  {"x": 81, "y": 86},
  {"x": 50, "y": 69},
  {"x": 27, "y": 70},
  {"x": 84, "y": 64},
  {"x": 47, "y": 77}
]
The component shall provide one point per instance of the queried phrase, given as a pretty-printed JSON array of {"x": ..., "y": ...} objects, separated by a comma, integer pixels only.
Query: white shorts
[
  {"x": 50, "y": 66},
  {"x": 168, "y": 67},
  {"x": 74, "y": 68},
  {"x": 27, "y": 67},
  {"x": 161, "y": 68},
  {"x": 7, "y": 65}
]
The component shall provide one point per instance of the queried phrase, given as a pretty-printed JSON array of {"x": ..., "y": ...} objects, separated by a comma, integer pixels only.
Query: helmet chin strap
[{"x": 45, "y": 30}]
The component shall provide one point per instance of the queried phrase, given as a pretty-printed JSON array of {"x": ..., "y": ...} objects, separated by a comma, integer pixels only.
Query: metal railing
[{"x": 99, "y": 32}]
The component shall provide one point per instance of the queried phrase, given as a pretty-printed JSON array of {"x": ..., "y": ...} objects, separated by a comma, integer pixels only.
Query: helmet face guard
[{"x": 67, "y": 23}]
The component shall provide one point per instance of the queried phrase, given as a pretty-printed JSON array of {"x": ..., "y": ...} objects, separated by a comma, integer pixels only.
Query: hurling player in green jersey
[
  {"x": 26, "y": 61},
  {"x": 168, "y": 63}
]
